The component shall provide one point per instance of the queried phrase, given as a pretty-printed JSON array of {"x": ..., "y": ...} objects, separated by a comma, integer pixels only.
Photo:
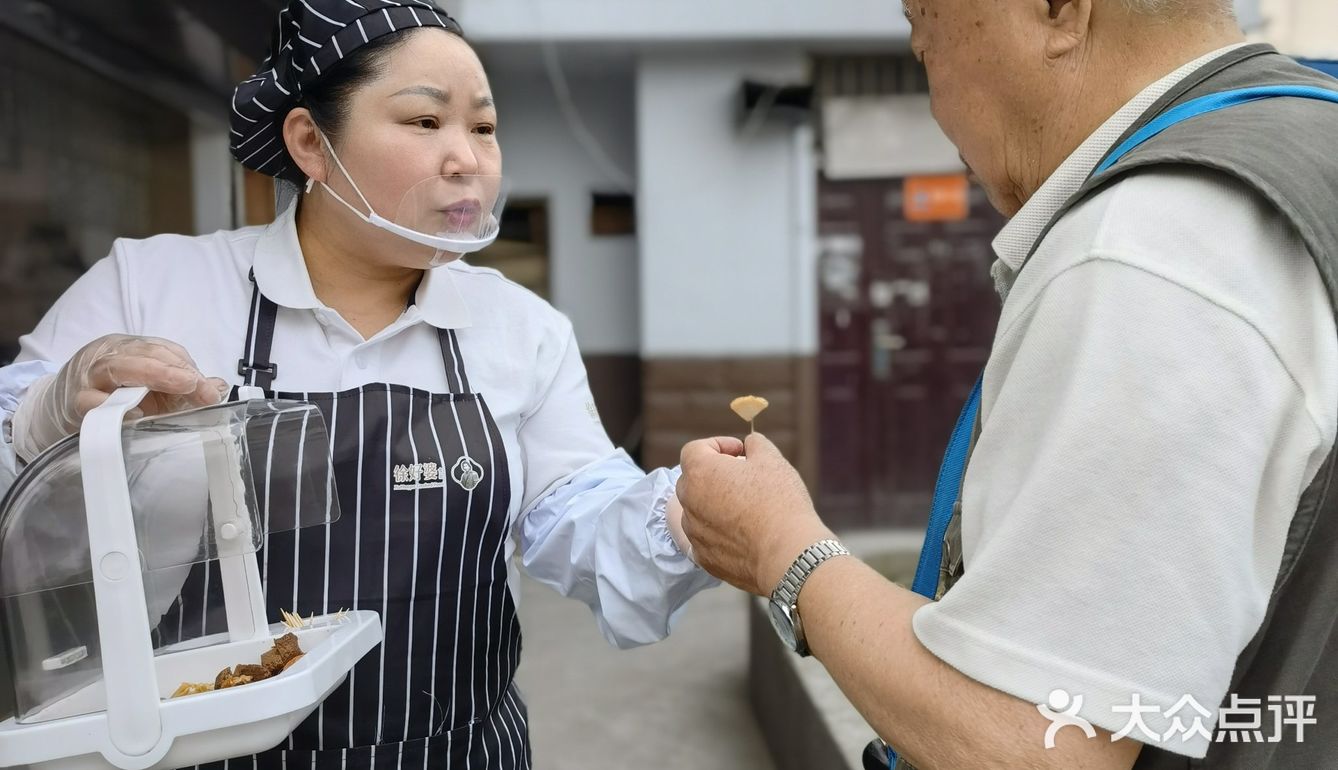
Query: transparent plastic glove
[
  {"x": 673, "y": 515},
  {"x": 55, "y": 406}
]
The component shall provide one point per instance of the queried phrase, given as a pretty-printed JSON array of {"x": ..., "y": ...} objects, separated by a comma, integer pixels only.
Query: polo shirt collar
[
  {"x": 1018, "y": 238},
  {"x": 281, "y": 273}
]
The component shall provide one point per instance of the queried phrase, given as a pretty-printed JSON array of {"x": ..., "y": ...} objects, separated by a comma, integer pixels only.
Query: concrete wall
[
  {"x": 594, "y": 278},
  {"x": 716, "y": 292},
  {"x": 726, "y": 216},
  {"x": 680, "y": 20}
]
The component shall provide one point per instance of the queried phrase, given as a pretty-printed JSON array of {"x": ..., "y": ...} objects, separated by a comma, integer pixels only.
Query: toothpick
[{"x": 295, "y": 621}]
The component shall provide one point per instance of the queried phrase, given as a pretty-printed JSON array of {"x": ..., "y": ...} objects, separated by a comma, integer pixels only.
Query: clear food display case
[{"x": 98, "y": 539}]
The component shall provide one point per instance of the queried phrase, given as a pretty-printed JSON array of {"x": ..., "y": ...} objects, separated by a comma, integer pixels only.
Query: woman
[{"x": 456, "y": 402}]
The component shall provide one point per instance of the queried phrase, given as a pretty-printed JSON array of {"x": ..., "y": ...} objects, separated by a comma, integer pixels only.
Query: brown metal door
[{"x": 908, "y": 312}]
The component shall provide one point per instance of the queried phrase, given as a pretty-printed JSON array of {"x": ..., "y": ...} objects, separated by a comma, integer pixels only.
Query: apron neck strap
[
  {"x": 257, "y": 370},
  {"x": 456, "y": 378},
  {"x": 255, "y": 367}
]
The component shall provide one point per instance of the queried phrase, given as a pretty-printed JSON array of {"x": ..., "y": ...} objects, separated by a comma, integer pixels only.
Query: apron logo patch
[
  {"x": 419, "y": 476},
  {"x": 467, "y": 473}
]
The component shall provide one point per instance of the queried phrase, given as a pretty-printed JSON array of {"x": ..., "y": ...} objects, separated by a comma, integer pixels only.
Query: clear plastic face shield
[{"x": 440, "y": 218}]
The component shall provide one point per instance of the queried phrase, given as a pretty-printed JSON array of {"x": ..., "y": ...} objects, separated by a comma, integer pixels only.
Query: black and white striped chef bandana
[{"x": 311, "y": 37}]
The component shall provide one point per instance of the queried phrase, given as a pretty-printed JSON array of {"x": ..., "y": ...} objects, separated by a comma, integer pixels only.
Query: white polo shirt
[
  {"x": 588, "y": 521},
  {"x": 1162, "y": 388}
]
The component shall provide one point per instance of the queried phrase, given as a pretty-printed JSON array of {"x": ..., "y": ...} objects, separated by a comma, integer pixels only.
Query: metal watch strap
[{"x": 787, "y": 593}]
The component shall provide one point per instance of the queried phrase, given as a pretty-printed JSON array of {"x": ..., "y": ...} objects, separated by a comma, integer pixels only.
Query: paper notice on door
[{"x": 937, "y": 198}]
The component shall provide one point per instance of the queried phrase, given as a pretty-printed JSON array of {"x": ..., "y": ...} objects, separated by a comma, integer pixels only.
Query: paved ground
[{"x": 682, "y": 703}]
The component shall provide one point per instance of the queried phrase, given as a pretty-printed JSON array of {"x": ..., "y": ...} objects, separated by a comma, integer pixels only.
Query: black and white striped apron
[{"x": 426, "y": 553}]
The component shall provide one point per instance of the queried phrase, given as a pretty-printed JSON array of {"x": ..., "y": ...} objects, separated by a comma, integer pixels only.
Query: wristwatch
[{"x": 784, "y": 608}]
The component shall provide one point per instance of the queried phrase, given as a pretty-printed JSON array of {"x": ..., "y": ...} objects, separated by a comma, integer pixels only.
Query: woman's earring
[{"x": 311, "y": 183}]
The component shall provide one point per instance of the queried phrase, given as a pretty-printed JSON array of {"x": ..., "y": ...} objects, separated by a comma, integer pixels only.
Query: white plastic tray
[{"x": 242, "y": 720}]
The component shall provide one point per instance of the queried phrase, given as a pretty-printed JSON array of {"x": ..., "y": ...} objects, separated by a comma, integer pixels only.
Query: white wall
[
  {"x": 594, "y": 279},
  {"x": 726, "y": 220},
  {"x": 1301, "y": 27},
  {"x": 679, "y": 20}
]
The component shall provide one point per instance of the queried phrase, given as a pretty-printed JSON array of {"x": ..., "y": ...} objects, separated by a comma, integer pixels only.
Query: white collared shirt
[
  {"x": 1162, "y": 388},
  {"x": 589, "y": 522},
  {"x": 1016, "y": 240}
]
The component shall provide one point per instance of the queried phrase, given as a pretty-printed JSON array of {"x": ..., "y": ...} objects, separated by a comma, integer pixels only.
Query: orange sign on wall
[{"x": 936, "y": 198}]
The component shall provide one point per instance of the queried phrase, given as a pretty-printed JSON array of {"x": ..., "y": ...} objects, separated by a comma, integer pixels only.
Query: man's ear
[{"x": 1066, "y": 24}]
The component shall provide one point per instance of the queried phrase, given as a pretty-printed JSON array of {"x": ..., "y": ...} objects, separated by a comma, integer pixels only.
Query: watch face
[{"x": 780, "y": 620}]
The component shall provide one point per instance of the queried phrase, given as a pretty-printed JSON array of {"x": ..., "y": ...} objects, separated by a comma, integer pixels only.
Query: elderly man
[{"x": 1145, "y": 544}]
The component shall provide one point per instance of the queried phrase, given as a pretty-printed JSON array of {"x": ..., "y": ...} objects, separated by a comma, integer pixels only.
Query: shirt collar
[
  {"x": 440, "y": 300},
  {"x": 281, "y": 273},
  {"x": 1018, "y": 238}
]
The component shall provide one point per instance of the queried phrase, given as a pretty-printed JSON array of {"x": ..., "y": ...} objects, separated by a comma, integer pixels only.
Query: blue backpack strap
[
  {"x": 1211, "y": 103},
  {"x": 946, "y": 489}
]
